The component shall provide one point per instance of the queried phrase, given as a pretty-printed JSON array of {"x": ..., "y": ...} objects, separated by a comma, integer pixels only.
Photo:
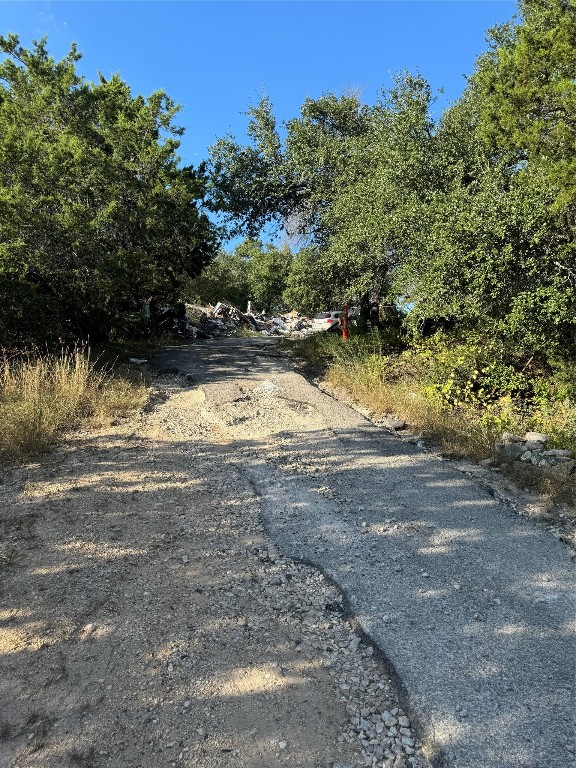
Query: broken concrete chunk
[
  {"x": 509, "y": 451},
  {"x": 535, "y": 437},
  {"x": 531, "y": 449},
  {"x": 534, "y": 445},
  {"x": 391, "y": 423},
  {"x": 558, "y": 453}
]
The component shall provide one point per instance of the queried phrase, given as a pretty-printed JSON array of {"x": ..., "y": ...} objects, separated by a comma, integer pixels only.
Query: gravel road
[
  {"x": 147, "y": 620},
  {"x": 472, "y": 605}
]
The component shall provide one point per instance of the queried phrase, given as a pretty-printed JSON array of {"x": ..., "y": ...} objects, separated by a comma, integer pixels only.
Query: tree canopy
[
  {"x": 251, "y": 272},
  {"x": 470, "y": 217},
  {"x": 95, "y": 211}
]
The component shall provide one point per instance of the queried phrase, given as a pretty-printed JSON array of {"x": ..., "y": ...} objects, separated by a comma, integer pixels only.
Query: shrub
[
  {"x": 461, "y": 394},
  {"x": 41, "y": 395}
]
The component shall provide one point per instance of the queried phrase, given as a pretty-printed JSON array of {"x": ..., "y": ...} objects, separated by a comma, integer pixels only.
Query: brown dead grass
[
  {"x": 42, "y": 395},
  {"x": 464, "y": 433},
  {"x": 459, "y": 432}
]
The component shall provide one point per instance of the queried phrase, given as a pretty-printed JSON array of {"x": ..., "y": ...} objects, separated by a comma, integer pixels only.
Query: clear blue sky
[{"x": 214, "y": 58}]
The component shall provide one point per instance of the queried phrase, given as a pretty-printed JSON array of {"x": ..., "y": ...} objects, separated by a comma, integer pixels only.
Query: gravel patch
[{"x": 146, "y": 619}]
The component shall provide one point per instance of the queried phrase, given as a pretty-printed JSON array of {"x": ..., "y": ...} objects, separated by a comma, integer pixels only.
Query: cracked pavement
[{"x": 471, "y": 605}]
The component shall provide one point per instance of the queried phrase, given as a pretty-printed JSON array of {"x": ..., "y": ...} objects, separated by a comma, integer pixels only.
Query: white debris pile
[
  {"x": 225, "y": 319},
  {"x": 287, "y": 325}
]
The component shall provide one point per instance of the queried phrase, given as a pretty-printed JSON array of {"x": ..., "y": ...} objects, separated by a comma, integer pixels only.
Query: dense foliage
[
  {"x": 252, "y": 272},
  {"x": 471, "y": 218},
  {"x": 95, "y": 212}
]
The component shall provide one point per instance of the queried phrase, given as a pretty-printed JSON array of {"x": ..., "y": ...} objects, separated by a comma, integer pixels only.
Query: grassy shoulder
[
  {"x": 461, "y": 395},
  {"x": 43, "y": 395}
]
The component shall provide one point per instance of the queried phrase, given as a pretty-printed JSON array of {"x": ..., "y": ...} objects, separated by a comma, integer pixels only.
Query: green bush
[
  {"x": 475, "y": 372},
  {"x": 462, "y": 394}
]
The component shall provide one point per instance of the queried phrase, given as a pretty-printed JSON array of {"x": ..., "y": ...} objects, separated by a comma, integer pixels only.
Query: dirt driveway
[
  {"x": 147, "y": 620},
  {"x": 159, "y": 604}
]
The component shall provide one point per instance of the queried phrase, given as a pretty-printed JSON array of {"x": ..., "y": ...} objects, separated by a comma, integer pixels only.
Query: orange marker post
[{"x": 345, "y": 331}]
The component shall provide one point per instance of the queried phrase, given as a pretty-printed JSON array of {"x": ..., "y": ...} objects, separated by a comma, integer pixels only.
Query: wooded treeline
[
  {"x": 471, "y": 218},
  {"x": 96, "y": 213}
]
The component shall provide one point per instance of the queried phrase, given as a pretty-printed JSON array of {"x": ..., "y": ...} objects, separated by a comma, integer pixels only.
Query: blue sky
[{"x": 214, "y": 58}]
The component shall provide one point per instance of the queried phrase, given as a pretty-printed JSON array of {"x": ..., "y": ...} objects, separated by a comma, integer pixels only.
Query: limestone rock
[
  {"x": 391, "y": 423},
  {"x": 535, "y": 437},
  {"x": 509, "y": 451},
  {"x": 510, "y": 437}
]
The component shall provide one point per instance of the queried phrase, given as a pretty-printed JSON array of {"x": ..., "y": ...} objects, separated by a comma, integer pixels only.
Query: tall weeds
[
  {"x": 42, "y": 395},
  {"x": 457, "y": 395}
]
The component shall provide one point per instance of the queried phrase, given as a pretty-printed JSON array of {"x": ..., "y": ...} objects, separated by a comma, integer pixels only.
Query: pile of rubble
[
  {"x": 531, "y": 450},
  {"x": 224, "y": 319}
]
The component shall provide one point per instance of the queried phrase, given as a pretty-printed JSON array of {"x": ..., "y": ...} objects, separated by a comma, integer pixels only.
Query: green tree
[
  {"x": 287, "y": 183},
  {"x": 95, "y": 212},
  {"x": 312, "y": 284},
  {"x": 497, "y": 236},
  {"x": 225, "y": 279},
  {"x": 251, "y": 186},
  {"x": 320, "y": 144},
  {"x": 267, "y": 268},
  {"x": 376, "y": 219},
  {"x": 527, "y": 82},
  {"x": 251, "y": 272},
  {"x": 340, "y": 180}
]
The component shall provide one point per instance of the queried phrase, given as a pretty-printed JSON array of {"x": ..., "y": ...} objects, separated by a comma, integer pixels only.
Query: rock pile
[{"x": 531, "y": 450}]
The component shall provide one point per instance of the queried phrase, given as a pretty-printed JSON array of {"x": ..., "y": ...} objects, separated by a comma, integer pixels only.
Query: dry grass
[
  {"x": 562, "y": 490},
  {"x": 459, "y": 432},
  {"x": 42, "y": 395},
  {"x": 470, "y": 430}
]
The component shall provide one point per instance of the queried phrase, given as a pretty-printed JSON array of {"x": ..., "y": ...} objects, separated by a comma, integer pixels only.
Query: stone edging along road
[{"x": 472, "y": 605}]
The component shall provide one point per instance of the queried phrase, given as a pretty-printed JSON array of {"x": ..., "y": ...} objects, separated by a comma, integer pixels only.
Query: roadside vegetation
[
  {"x": 42, "y": 395},
  {"x": 467, "y": 220},
  {"x": 462, "y": 397},
  {"x": 98, "y": 221},
  {"x": 97, "y": 215}
]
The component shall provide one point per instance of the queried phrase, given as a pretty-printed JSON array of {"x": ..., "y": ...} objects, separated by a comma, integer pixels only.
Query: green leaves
[
  {"x": 471, "y": 218},
  {"x": 95, "y": 212},
  {"x": 252, "y": 272},
  {"x": 267, "y": 269},
  {"x": 527, "y": 87},
  {"x": 286, "y": 183}
]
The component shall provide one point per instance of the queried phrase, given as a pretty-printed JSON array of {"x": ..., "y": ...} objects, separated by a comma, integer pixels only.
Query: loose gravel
[
  {"x": 146, "y": 619},
  {"x": 251, "y": 575},
  {"x": 471, "y": 604}
]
